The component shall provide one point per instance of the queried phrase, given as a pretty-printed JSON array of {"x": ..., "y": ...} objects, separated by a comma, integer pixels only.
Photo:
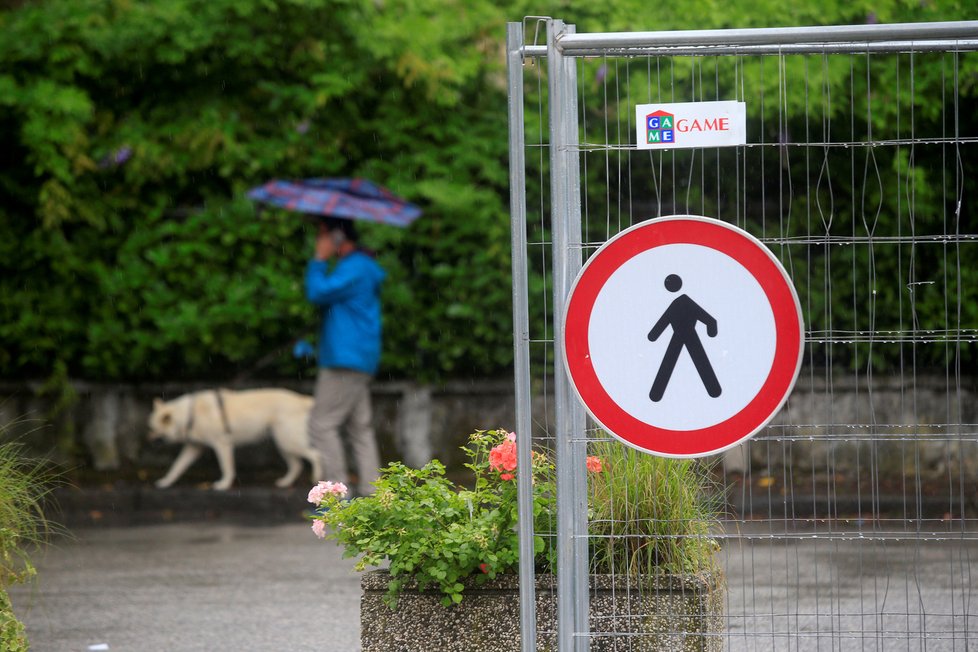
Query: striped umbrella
[{"x": 354, "y": 199}]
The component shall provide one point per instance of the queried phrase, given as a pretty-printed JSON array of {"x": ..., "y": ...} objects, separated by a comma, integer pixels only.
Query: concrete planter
[{"x": 674, "y": 613}]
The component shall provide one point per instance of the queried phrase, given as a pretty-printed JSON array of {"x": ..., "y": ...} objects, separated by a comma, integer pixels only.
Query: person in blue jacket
[{"x": 347, "y": 293}]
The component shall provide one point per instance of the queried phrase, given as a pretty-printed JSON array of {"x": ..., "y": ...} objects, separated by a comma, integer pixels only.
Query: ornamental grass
[
  {"x": 23, "y": 487},
  {"x": 650, "y": 514}
]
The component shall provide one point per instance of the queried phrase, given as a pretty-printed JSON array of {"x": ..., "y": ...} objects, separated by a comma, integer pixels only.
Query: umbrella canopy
[{"x": 354, "y": 199}]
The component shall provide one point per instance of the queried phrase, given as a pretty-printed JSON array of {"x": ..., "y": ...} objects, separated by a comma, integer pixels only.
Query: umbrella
[{"x": 355, "y": 199}]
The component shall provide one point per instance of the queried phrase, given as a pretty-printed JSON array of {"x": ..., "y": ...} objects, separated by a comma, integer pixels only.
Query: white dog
[{"x": 223, "y": 419}]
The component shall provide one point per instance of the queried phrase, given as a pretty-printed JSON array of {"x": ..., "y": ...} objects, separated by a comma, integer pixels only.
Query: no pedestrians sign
[{"x": 683, "y": 336}]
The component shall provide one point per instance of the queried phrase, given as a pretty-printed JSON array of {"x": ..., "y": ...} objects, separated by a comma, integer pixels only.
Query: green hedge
[{"x": 132, "y": 131}]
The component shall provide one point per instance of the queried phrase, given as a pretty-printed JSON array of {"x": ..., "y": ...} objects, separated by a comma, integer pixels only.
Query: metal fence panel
[{"x": 850, "y": 521}]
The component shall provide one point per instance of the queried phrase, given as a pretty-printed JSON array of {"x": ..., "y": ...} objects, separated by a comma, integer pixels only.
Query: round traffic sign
[{"x": 683, "y": 336}]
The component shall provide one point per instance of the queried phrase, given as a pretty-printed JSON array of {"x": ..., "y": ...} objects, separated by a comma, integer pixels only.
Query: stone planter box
[{"x": 663, "y": 613}]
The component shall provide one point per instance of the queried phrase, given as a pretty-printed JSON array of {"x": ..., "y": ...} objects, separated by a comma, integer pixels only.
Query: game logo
[{"x": 692, "y": 124}]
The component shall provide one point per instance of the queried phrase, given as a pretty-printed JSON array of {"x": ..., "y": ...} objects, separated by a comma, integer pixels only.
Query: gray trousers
[{"x": 343, "y": 397}]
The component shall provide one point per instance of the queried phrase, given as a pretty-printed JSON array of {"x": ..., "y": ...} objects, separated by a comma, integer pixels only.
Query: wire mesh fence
[{"x": 849, "y": 523}]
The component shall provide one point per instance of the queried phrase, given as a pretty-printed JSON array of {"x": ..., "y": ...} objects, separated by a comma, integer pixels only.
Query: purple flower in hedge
[
  {"x": 122, "y": 155},
  {"x": 116, "y": 158}
]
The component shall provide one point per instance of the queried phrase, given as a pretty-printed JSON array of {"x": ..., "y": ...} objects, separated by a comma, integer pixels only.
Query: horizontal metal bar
[
  {"x": 849, "y": 240},
  {"x": 917, "y": 37},
  {"x": 842, "y": 241},
  {"x": 839, "y": 144},
  {"x": 856, "y": 47},
  {"x": 816, "y": 240},
  {"x": 969, "y": 438},
  {"x": 911, "y": 339},
  {"x": 850, "y": 535},
  {"x": 571, "y": 44},
  {"x": 838, "y": 634}
]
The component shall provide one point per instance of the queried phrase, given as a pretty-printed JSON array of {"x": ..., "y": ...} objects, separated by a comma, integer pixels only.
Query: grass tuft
[
  {"x": 651, "y": 514},
  {"x": 24, "y": 485}
]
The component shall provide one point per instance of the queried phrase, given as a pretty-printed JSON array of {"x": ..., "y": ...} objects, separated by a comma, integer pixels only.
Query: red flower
[
  {"x": 594, "y": 464},
  {"x": 503, "y": 457},
  {"x": 484, "y": 567}
]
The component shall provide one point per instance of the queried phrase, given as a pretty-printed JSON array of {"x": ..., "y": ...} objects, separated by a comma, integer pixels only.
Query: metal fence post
[
  {"x": 572, "y": 559},
  {"x": 521, "y": 333}
]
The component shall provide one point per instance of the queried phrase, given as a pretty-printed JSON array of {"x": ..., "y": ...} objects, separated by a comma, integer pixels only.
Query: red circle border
[{"x": 758, "y": 261}]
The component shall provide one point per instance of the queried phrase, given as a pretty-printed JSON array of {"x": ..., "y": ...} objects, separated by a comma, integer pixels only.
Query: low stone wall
[
  {"x": 883, "y": 425},
  {"x": 104, "y": 428},
  {"x": 919, "y": 426}
]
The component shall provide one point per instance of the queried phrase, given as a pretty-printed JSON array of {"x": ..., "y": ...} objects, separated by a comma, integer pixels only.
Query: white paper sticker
[{"x": 691, "y": 124}]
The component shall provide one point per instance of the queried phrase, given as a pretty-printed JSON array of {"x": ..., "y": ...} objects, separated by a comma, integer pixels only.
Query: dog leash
[
  {"x": 220, "y": 406},
  {"x": 224, "y": 412},
  {"x": 190, "y": 418}
]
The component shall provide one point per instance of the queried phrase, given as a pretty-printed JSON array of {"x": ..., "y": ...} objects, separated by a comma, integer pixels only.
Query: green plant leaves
[{"x": 433, "y": 530}]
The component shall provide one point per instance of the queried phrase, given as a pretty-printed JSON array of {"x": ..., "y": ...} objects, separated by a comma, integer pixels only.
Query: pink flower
[
  {"x": 511, "y": 437},
  {"x": 319, "y": 529},
  {"x": 594, "y": 464},
  {"x": 506, "y": 476},
  {"x": 317, "y": 493}
]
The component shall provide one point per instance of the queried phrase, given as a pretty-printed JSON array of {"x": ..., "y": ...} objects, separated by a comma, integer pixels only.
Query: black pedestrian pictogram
[{"x": 683, "y": 314}]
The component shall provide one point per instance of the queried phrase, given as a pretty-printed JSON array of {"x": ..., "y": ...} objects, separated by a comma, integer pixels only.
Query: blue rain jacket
[{"x": 348, "y": 296}]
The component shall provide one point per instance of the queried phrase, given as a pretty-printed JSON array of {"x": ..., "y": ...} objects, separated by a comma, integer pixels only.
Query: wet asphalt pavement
[
  {"x": 206, "y": 587},
  {"x": 217, "y": 586}
]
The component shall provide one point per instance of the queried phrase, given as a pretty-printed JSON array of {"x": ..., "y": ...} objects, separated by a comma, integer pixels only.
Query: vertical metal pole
[
  {"x": 521, "y": 334},
  {"x": 572, "y": 557}
]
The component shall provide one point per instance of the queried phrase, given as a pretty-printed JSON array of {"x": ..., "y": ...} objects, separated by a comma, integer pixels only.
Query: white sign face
[
  {"x": 690, "y": 124},
  {"x": 683, "y": 336},
  {"x": 740, "y": 353}
]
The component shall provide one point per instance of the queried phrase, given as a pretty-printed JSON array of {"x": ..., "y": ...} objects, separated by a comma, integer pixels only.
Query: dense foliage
[{"x": 132, "y": 131}]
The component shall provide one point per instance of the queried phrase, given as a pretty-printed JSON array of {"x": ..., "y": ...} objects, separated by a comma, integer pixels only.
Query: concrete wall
[{"x": 900, "y": 427}]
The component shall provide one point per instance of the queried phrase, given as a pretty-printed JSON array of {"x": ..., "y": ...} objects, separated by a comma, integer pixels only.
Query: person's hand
[{"x": 325, "y": 247}]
